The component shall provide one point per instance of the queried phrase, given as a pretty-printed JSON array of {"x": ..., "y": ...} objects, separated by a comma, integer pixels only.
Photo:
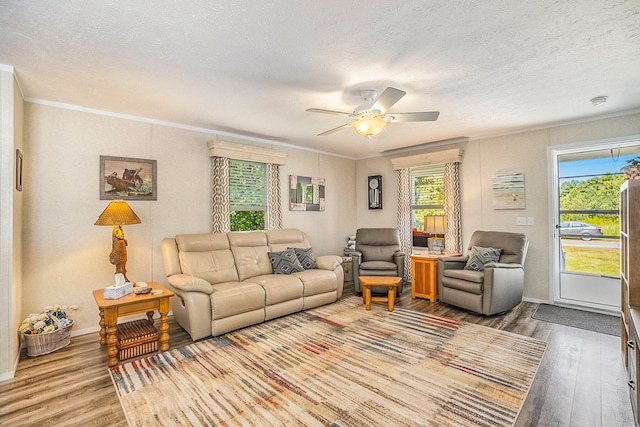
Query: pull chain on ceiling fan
[{"x": 371, "y": 118}]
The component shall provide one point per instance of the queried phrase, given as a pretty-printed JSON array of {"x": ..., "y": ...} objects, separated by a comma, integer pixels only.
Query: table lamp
[
  {"x": 117, "y": 214},
  {"x": 435, "y": 225}
]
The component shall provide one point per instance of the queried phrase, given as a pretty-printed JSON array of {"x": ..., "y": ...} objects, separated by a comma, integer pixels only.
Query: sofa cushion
[
  {"x": 249, "y": 250},
  {"x": 479, "y": 256},
  {"x": 285, "y": 262},
  {"x": 212, "y": 266},
  {"x": 231, "y": 298},
  {"x": 317, "y": 281},
  {"x": 281, "y": 239},
  {"x": 278, "y": 287},
  {"x": 306, "y": 258},
  {"x": 202, "y": 242}
]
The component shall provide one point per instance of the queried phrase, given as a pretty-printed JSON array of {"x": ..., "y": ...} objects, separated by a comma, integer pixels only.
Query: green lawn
[{"x": 593, "y": 260}]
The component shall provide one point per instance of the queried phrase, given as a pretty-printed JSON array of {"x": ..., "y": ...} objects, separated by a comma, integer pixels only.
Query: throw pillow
[
  {"x": 479, "y": 256},
  {"x": 306, "y": 258},
  {"x": 285, "y": 262}
]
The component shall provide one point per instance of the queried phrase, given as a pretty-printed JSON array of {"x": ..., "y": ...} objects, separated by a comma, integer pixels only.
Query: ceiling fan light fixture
[{"x": 369, "y": 127}]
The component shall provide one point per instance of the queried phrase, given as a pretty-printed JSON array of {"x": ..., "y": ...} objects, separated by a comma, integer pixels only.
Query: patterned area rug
[{"x": 337, "y": 365}]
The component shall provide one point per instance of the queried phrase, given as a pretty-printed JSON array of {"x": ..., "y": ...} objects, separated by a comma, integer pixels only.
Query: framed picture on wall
[
  {"x": 127, "y": 178},
  {"x": 306, "y": 193},
  {"x": 508, "y": 191}
]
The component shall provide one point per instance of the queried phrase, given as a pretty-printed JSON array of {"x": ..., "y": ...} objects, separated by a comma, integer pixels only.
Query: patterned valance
[{"x": 246, "y": 152}]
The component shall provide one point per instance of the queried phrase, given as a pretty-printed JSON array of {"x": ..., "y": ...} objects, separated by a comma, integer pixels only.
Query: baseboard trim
[{"x": 535, "y": 300}]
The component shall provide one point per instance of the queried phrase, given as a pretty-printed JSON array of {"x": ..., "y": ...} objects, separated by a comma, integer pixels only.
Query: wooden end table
[
  {"x": 111, "y": 309},
  {"x": 424, "y": 275},
  {"x": 390, "y": 282}
]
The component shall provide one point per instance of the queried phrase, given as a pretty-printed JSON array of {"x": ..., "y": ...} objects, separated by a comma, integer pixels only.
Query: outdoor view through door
[{"x": 588, "y": 229}]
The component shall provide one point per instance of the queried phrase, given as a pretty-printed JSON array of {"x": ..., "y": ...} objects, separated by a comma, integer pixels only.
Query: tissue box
[{"x": 115, "y": 292}]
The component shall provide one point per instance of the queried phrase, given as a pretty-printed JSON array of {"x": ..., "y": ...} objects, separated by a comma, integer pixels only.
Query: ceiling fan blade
[
  {"x": 320, "y": 110},
  {"x": 425, "y": 116},
  {"x": 330, "y": 131},
  {"x": 386, "y": 100}
]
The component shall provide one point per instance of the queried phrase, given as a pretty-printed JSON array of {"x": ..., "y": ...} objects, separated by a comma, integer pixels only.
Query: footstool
[{"x": 368, "y": 281}]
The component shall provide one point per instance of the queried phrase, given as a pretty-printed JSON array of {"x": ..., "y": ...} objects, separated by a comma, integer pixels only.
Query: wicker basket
[{"x": 39, "y": 344}]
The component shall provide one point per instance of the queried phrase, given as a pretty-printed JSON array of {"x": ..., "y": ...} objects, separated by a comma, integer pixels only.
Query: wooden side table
[
  {"x": 390, "y": 282},
  {"x": 111, "y": 309},
  {"x": 424, "y": 275}
]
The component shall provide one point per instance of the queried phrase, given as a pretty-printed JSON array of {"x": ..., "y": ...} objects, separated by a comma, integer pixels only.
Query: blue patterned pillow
[
  {"x": 479, "y": 256},
  {"x": 285, "y": 262},
  {"x": 306, "y": 258}
]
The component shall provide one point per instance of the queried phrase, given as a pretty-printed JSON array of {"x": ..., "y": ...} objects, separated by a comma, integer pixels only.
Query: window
[
  {"x": 427, "y": 194},
  {"x": 248, "y": 195}
]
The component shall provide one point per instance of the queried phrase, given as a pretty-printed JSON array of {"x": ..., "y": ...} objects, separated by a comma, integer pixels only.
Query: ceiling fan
[{"x": 370, "y": 118}]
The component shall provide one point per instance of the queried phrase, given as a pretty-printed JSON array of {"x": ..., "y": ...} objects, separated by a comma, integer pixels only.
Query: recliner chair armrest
[
  {"x": 502, "y": 265},
  {"x": 328, "y": 262},
  {"x": 356, "y": 259},
  {"x": 452, "y": 262},
  {"x": 187, "y": 283},
  {"x": 398, "y": 259}
]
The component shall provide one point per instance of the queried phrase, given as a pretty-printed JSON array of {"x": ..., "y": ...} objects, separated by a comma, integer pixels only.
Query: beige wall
[
  {"x": 66, "y": 256},
  {"x": 524, "y": 152}
]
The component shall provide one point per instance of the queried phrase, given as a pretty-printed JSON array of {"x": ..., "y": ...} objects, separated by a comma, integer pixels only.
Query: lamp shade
[
  {"x": 118, "y": 212},
  {"x": 435, "y": 224},
  {"x": 370, "y": 126}
]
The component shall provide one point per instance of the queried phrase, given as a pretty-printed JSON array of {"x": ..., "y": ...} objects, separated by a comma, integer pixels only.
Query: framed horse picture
[{"x": 128, "y": 178}]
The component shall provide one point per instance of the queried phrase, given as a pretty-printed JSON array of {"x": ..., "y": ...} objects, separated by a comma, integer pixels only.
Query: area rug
[
  {"x": 597, "y": 322},
  {"x": 338, "y": 365}
]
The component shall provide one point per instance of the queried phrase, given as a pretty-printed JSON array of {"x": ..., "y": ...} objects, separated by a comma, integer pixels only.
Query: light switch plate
[
  {"x": 530, "y": 220},
  {"x": 521, "y": 220}
]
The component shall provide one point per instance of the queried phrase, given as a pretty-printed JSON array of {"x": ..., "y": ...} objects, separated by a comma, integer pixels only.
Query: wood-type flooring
[{"x": 581, "y": 381}]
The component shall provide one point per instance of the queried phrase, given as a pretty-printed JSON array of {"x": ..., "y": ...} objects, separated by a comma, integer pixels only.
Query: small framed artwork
[
  {"x": 375, "y": 191},
  {"x": 127, "y": 178},
  {"x": 18, "y": 170},
  {"x": 508, "y": 191},
  {"x": 306, "y": 193}
]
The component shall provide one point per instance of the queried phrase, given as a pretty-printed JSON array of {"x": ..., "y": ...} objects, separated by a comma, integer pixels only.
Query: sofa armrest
[
  {"x": 187, "y": 283},
  {"x": 328, "y": 262}
]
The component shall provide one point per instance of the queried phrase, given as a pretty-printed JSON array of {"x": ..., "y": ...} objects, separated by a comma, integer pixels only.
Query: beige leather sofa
[{"x": 225, "y": 281}]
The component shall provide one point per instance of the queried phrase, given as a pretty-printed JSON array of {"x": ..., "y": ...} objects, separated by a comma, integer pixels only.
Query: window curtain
[
  {"x": 221, "y": 152},
  {"x": 452, "y": 207},
  {"x": 274, "y": 205},
  {"x": 220, "y": 206},
  {"x": 404, "y": 219}
]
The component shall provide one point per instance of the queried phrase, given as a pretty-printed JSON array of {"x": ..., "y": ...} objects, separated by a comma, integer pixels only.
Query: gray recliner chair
[
  {"x": 497, "y": 288},
  {"x": 377, "y": 254}
]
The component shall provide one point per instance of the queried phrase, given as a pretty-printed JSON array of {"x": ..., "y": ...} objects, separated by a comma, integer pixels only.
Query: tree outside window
[
  {"x": 248, "y": 195},
  {"x": 427, "y": 194}
]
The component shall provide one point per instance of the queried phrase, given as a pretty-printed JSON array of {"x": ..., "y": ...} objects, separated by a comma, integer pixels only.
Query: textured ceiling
[{"x": 251, "y": 68}]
